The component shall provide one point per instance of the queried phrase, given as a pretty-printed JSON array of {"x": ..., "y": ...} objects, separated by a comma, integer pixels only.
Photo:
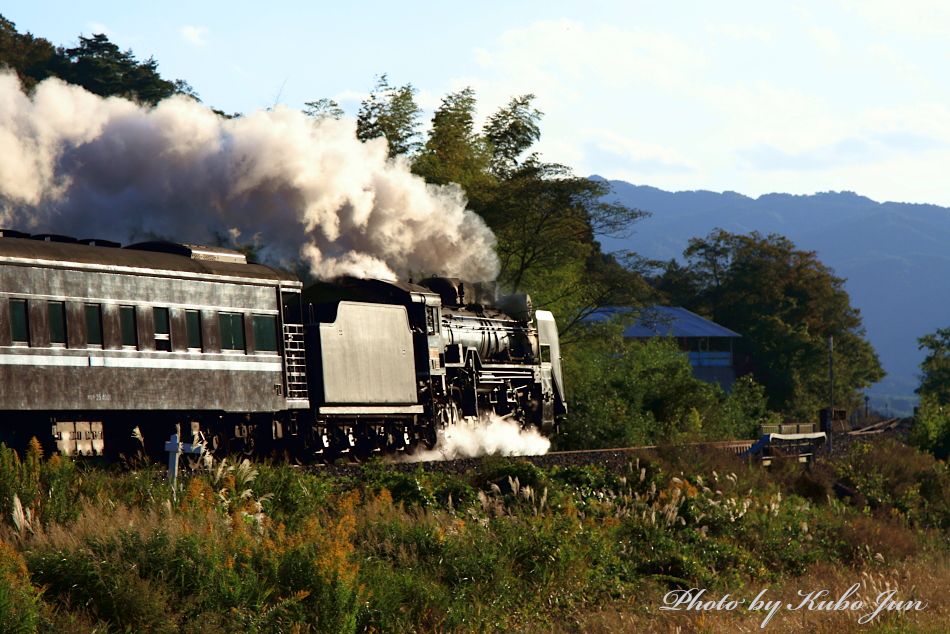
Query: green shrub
[
  {"x": 107, "y": 587},
  {"x": 20, "y": 605}
]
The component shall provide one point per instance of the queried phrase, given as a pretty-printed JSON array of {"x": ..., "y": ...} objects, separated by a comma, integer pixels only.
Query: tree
[
  {"x": 545, "y": 218},
  {"x": 390, "y": 112},
  {"x": 31, "y": 58},
  {"x": 101, "y": 68},
  {"x": 931, "y": 429},
  {"x": 627, "y": 393},
  {"x": 323, "y": 109},
  {"x": 510, "y": 132},
  {"x": 785, "y": 303},
  {"x": 453, "y": 151},
  {"x": 935, "y": 368}
]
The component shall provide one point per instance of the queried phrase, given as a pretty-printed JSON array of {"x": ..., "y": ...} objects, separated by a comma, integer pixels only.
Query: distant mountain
[{"x": 894, "y": 256}]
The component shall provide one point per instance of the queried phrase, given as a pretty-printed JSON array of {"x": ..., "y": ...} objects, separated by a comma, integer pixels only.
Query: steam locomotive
[{"x": 104, "y": 349}]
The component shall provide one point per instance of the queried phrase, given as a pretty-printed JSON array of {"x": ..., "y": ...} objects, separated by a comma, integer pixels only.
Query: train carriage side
[{"x": 97, "y": 340}]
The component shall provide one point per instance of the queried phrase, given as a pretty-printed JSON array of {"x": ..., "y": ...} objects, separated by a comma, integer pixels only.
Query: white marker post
[{"x": 175, "y": 449}]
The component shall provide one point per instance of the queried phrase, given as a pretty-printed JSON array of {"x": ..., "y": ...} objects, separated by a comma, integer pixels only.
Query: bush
[
  {"x": 893, "y": 477},
  {"x": 20, "y": 605}
]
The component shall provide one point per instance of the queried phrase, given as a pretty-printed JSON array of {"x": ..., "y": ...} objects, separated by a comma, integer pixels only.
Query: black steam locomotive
[{"x": 103, "y": 347}]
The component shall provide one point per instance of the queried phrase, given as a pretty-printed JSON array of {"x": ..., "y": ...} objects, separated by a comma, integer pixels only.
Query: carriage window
[
  {"x": 265, "y": 333},
  {"x": 57, "y": 322},
  {"x": 163, "y": 339},
  {"x": 193, "y": 329},
  {"x": 127, "y": 319},
  {"x": 19, "y": 323},
  {"x": 93, "y": 325},
  {"x": 232, "y": 331}
]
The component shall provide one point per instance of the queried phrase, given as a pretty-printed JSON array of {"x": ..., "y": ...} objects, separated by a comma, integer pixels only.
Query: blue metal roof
[{"x": 663, "y": 321}]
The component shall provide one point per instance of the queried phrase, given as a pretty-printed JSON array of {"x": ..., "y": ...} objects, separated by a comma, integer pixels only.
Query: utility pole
[{"x": 831, "y": 392}]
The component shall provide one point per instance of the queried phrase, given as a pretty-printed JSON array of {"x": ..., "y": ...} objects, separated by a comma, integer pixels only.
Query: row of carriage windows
[{"x": 230, "y": 327}]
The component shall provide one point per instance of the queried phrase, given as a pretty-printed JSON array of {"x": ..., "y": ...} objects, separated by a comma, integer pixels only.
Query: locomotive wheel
[
  {"x": 449, "y": 414},
  {"x": 397, "y": 437},
  {"x": 363, "y": 446},
  {"x": 429, "y": 435}
]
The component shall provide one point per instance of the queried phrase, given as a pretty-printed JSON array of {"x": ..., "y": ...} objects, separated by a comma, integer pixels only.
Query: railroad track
[
  {"x": 879, "y": 427},
  {"x": 611, "y": 459}
]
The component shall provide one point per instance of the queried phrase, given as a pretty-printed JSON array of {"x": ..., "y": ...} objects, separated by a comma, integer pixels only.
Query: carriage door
[{"x": 295, "y": 361}]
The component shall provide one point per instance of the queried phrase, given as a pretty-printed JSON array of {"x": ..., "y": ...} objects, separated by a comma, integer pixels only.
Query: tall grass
[{"x": 261, "y": 548}]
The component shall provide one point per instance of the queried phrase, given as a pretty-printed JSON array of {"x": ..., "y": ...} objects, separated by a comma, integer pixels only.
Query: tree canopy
[
  {"x": 785, "y": 303},
  {"x": 931, "y": 429},
  {"x": 96, "y": 64},
  {"x": 390, "y": 112}
]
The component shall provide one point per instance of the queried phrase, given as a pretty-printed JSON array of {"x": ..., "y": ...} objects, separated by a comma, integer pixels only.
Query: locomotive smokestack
[{"x": 72, "y": 162}]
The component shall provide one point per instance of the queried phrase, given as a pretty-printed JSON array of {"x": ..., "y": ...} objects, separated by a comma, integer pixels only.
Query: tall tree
[
  {"x": 453, "y": 151},
  {"x": 785, "y": 303},
  {"x": 510, "y": 132},
  {"x": 931, "y": 429},
  {"x": 543, "y": 216},
  {"x": 323, "y": 109},
  {"x": 102, "y": 68},
  {"x": 935, "y": 368},
  {"x": 30, "y": 57},
  {"x": 390, "y": 112}
]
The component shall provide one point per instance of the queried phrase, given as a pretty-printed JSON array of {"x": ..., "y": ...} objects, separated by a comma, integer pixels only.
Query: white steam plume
[
  {"x": 74, "y": 163},
  {"x": 497, "y": 436}
]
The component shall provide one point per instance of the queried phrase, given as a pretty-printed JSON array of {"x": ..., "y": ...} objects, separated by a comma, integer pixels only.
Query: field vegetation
[{"x": 506, "y": 546}]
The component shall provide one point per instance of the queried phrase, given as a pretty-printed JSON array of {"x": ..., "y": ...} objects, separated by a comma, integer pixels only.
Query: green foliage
[
  {"x": 895, "y": 480},
  {"x": 931, "y": 430},
  {"x": 101, "y": 68},
  {"x": 96, "y": 64},
  {"x": 389, "y": 112},
  {"x": 323, "y": 109},
  {"x": 518, "y": 544},
  {"x": 935, "y": 368},
  {"x": 453, "y": 152},
  {"x": 510, "y": 132},
  {"x": 113, "y": 590},
  {"x": 20, "y": 603},
  {"x": 785, "y": 303},
  {"x": 31, "y": 57},
  {"x": 627, "y": 393},
  {"x": 741, "y": 413}
]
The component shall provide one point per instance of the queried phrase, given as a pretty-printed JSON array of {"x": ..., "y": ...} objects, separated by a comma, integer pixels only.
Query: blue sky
[{"x": 746, "y": 96}]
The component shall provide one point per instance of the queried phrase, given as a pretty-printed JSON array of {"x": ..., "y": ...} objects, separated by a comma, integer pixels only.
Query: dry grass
[{"x": 925, "y": 579}]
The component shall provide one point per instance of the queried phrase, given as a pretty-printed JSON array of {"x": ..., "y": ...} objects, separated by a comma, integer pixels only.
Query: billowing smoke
[
  {"x": 495, "y": 437},
  {"x": 74, "y": 163}
]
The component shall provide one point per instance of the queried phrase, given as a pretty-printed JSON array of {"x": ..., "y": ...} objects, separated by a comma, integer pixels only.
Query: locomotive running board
[{"x": 370, "y": 409}]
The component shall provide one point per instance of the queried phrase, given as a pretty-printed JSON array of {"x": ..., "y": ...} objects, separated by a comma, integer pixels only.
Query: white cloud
[
  {"x": 645, "y": 156},
  {"x": 740, "y": 32},
  {"x": 928, "y": 18},
  {"x": 194, "y": 35},
  {"x": 350, "y": 96},
  {"x": 826, "y": 39},
  {"x": 98, "y": 27},
  {"x": 730, "y": 106}
]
